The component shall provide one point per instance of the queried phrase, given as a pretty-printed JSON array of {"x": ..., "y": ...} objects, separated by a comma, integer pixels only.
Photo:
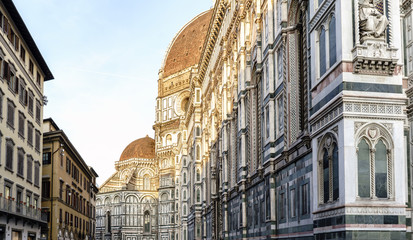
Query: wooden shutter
[
  {"x": 6, "y": 72},
  {"x": 16, "y": 42},
  {"x": 5, "y": 23}
]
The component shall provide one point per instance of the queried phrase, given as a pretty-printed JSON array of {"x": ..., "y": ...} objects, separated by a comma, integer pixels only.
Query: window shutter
[
  {"x": 16, "y": 42},
  {"x": 5, "y": 23},
  {"x": 10, "y": 32},
  {"x": 16, "y": 84},
  {"x": 6, "y": 71}
]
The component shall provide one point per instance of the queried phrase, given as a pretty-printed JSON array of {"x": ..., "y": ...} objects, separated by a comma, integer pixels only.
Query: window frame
[
  {"x": 373, "y": 133},
  {"x": 326, "y": 146}
]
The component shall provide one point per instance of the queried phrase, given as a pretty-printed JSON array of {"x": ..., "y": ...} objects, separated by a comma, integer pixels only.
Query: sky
[{"x": 105, "y": 56}]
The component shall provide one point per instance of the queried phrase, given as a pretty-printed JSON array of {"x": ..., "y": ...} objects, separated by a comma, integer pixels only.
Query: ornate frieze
[
  {"x": 373, "y": 108},
  {"x": 361, "y": 210},
  {"x": 375, "y": 58}
]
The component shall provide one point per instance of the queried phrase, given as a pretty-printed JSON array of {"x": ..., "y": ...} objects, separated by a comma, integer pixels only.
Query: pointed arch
[
  {"x": 374, "y": 148},
  {"x": 328, "y": 168}
]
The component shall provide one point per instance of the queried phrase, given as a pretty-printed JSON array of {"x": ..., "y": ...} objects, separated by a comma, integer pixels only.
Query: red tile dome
[
  {"x": 140, "y": 148},
  {"x": 185, "y": 49}
]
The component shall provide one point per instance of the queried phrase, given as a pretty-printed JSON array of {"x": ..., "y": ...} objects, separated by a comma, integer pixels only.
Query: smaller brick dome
[{"x": 140, "y": 148}]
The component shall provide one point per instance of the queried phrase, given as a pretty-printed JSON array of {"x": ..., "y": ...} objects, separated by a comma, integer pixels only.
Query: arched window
[
  {"x": 184, "y": 195},
  {"x": 328, "y": 169},
  {"x": 322, "y": 51},
  {"x": 363, "y": 169},
  {"x": 147, "y": 222},
  {"x": 198, "y": 175},
  {"x": 146, "y": 182},
  {"x": 332, "y": 40},
  {"x": 108, "y": 222},
  {"x": 168, "y": 139},
  {"x": 374, "y": 158},
  {"x": 198, "y": 152},
  {"x": 184, "y": 177},
  {"x": 198, "y": 131},
  {"x": 198, "y": 195}
]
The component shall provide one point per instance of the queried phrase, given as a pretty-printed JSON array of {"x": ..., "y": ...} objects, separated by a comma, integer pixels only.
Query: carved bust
[{"x": 373, "y": 23}]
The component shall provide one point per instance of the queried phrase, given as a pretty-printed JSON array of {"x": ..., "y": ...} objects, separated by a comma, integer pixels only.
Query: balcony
[{"x": 12, "y": 208}]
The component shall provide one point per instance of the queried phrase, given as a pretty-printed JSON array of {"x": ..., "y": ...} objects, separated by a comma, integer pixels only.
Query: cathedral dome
[
  {"x": 185, "y": 49},
  {"x": 140, "y": 148}
]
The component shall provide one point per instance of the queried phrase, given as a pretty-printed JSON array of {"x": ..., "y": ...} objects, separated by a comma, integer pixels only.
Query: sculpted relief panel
[{"x": 373, "y": 23}]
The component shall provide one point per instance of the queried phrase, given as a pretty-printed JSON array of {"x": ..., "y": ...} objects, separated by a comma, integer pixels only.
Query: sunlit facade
[
  {"x": 23, "y": 72},
  {"x": 291, "y": 123}
]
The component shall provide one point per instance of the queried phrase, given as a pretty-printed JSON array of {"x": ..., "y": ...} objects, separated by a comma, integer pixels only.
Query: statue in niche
[{"x": 373, "y": 22}]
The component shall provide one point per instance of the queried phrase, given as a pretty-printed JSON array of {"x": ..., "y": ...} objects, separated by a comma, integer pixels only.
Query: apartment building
[
  {"x": 23, "y": 72},
  {"x": 68, "y": 187}
]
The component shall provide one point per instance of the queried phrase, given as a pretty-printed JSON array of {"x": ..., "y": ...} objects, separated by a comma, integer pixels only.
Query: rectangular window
[
  {"x": 322, "y": 52},
  {"x": 22, "y": 92},
  {"x": 28, "y": 198},
  {"x": 283, "y": 206},
  {"x": 61, "y": 190},
  {"x": 266, "y": 76},
  {"x": 266, "y": 27},
  {"x": 29, "y": 168},
  {"x": 13, "y": 82},
  {"x": 280, "y": 65},
  {"x": 305, "y": 204},
  {"x": 280, "y": 108},
  {"x": 22, "y": 120},
  {"x": 19, "y": 199},
  {"x": 267, "y": 122},
  {"x": 20, "y": 162},
  {"x": 37, "y": 174},
  {"x": 30, "y": 102},
  {"x": 22, "y": 54},
  {"x": 9, "y": 154},
  {"x": 292, "y": 203},
  {"x": 6, "y": 72},
  {"x": 31, "y": 66},
  {"x": 38, "y": 78},
  {"x": 46, "y": 189},
  {"x": 198, "y": 95},
  {"x": 38, "y": 111},
  {"x": 67, "y": 194},
  {"x": 37, "y": 143},
  {"x": 68, "y": 165},
  {"x": 47, "y": 158},
  {"x": 30, "y": 133},
  {"x": 1, "y": 104},
  {"x": 10, "y": 113}
]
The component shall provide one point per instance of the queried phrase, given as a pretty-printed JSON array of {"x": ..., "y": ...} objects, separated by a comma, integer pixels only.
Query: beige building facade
[
  {"x": 23, "y": 73},
  {"x": 68, "y": 187}
]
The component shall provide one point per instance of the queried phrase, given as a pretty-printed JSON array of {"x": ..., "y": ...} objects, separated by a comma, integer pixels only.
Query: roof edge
[{"x": 27, "y": 37}]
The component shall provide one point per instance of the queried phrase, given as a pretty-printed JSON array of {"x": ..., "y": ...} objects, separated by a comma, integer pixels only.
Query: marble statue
[{"x": 372, "y": 22}]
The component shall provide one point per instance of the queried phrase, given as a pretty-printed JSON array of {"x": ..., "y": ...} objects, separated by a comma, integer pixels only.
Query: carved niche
[{"x": 373, "y": 53}]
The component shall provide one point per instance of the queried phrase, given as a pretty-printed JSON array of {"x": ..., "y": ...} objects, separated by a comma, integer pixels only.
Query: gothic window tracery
[
  {"x": 147, "y": 222},
  {"x": 328, "y": 169},
  {"x": 146, "y": 182},
  {"x": 374, "y": 163},
  {"x": 326, "y": 43}
]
